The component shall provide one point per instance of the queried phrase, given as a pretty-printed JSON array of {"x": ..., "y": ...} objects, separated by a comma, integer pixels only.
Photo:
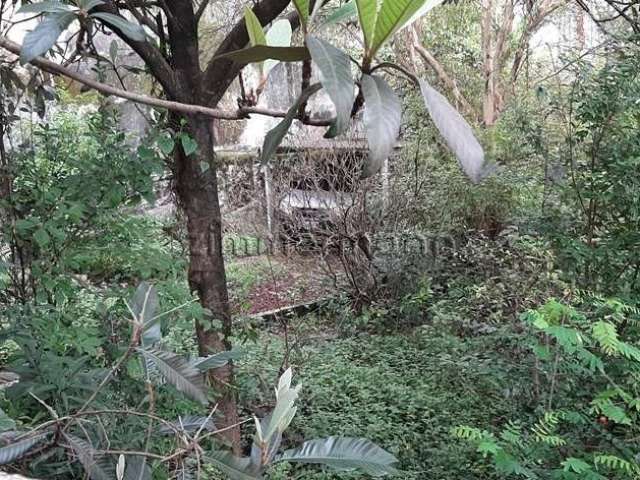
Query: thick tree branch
[
  {"x": 221, "y": 71},
  {"x": 189, "y": 109},
  {"x": 431, "y": 62},
  {"x": 151, "y": 56}
]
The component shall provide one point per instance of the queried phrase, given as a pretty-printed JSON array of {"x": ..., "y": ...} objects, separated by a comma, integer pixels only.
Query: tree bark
[
  {"x": 488, "y": 67},
  {"x": 197, "y": 189}
]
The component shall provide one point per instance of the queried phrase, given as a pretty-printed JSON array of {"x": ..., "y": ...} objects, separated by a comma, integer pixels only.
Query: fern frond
[
  {"x": 464, "y": 432},
  {"x": 544, "y": 431},
  {"x": 606, "y": 335},
  {"x": 613, "y": 462}
]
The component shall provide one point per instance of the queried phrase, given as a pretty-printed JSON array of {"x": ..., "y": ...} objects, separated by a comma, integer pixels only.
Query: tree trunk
[
  {"x": 197, "y": 188},
  {"x": 489, "y": 103}
]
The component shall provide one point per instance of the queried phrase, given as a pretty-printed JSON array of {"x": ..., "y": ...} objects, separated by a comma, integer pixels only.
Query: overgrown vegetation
[{"x": 466, "y": 330}]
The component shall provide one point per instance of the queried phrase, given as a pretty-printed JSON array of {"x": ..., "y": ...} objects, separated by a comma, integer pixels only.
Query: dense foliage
[{"x": 495, "y": 335}]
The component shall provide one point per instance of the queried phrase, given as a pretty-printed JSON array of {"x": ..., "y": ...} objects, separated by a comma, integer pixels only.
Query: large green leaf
[
  {"x": 343, "y": 453},
  {"x": 279, "y": 35},
  {"x": 342, "y": 13},
  {"x": 393, "y": 15},
  {"x": 19, "y": 449},
  {"x": 132, "y": 30},
  {"x": 44, "y": 36},
  {"x": 274, "y": 137},
  {"x": 254, "y": 29},
  {"x": 260, "y": 53},
  {"x": 456, "y": 132},
  {"x": 48, "y": 6},
  {"x": 382, "y": 117},
  {"x": 426, "y": 8},
  {"x": 367, "y": 13},
  {"x": 236, "y": 468},
  {"x": 337, "y": 80},
  {"x": 302, "y": 6},
  {"x": 178, "y": 372}
]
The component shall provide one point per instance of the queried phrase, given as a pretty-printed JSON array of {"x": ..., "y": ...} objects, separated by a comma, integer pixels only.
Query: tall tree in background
[{"x": 504, "y": 42}]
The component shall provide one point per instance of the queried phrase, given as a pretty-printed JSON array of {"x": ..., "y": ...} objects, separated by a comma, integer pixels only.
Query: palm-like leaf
[
  {"x": 19, "y": 449},
  {"x": 178, "y": 372},
  {"x": 343, "y": 453},
  {"x": 456, "y": 132}
]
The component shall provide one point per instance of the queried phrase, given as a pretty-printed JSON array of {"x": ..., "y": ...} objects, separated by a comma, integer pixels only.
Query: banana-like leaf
[
  {"x": 47, "y": 6},
  {"x": 190, "y": 423},
  {"x": 237, "y": 468},
  {"x": 132, "y": 30},
  {"x": 340, "y": 14},
  {"x": 275, "y": 136},
  {"x": 337, "y": 80},
  {"x": 393, "y": 15},
  {"x": 302, "y": 6},
  {"x": 98, "y": 467},
  {"x": 367, "y": 14},
  {"x": 19, "y": 449},
  {"x": 279, "y": 35},
  {"x": 382, "y": 117},
  {"x": 44, "y": 36},
  {"x": 260, "y": 53},
  {"x": 217, "y": 360},
  {"x": 343, "y": 453},
  {"x": 177, "y": 371},
  {"x": 254, "y": 29},
  {"x": 456, "y": 131}
]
